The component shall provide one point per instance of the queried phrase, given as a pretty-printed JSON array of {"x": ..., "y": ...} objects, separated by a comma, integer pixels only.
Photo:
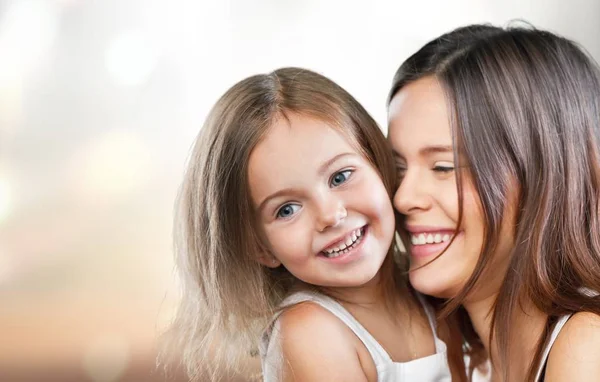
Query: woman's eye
[
  {"x": 400, "y": 170},
  {"x": 287, "y": 210},
  {"x": 444, "y": 167},
  {"x": 340, "y": 177}
]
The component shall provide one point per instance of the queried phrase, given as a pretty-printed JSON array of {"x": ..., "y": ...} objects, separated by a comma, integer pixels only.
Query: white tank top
[
  {"x": 539, "y": 377},
  {"x": 553, "y": 336},
  {"x": 555, "y": 332},
  {"x": 431, "y": 368}
]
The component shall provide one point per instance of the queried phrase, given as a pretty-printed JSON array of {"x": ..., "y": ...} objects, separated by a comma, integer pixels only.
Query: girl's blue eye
[
  {"x": 287, "y": 210},
  {"x": 340, "y": 177}
]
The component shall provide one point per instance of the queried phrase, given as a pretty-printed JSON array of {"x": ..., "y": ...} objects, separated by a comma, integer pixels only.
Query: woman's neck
[{"x": 527, "y": 325}]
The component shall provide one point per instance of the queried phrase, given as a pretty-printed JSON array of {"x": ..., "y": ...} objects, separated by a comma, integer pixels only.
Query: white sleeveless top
[
  {"x": 539, "y": 377},
  {"x": 431, "y": 368},
  {"x": 478, "y": 376},
  {"x": 555, "y": 332}
]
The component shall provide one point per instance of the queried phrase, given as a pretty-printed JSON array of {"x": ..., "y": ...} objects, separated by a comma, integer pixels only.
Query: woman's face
[{"x": 420, "y": 135}]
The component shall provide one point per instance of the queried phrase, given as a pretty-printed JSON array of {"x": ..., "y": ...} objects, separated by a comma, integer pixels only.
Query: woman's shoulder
[{"x": 575, "y": 354}]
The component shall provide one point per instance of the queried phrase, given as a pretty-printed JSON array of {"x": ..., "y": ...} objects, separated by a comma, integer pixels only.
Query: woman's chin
[{"x": 431, "y": 285}]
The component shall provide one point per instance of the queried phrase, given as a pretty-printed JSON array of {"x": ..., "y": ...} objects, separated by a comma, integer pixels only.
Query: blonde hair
[{"x": 228, "y": 297}]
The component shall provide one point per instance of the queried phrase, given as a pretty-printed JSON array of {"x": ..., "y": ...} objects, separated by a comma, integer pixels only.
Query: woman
[{"x": 496, "y": 134}]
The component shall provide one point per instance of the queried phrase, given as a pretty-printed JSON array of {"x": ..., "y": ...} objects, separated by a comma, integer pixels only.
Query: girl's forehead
[
  {"x": 295, "y": 150},
  {"x": 299, "y": 128},
  {"x": 298, "y": 140}
]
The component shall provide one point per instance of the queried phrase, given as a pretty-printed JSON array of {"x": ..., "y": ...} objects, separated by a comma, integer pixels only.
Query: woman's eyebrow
[{"x": 428, "y": 150}]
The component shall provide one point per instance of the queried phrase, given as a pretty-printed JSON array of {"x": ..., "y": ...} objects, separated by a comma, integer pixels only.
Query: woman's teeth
[
  {"x": 341, "y": 248},
  {"x": 429, "y": 238}
]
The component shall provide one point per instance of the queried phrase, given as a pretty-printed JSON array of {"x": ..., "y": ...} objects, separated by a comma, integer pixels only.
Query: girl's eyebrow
[
  {"x": 323, "y": 168},
  {"x": 284, "y": 191}
]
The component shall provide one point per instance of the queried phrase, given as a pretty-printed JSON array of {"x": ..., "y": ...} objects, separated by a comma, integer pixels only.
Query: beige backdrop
[{"x": 99, "y": 103}]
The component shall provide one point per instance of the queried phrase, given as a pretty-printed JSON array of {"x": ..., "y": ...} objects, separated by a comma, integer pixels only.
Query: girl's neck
[
  {"x": 527, "y": 325},
  {"x": 370, "y": 293}
]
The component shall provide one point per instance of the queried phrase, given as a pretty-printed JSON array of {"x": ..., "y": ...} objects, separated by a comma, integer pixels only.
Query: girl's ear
[
  {"x": 268, "y": 260},
  {"x": 264, "y": 256}
]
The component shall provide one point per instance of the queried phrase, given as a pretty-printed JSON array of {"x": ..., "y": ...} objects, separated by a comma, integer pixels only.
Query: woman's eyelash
[
  {"x": 401, "y": 168},
  {"x": 443, "y": 168}
]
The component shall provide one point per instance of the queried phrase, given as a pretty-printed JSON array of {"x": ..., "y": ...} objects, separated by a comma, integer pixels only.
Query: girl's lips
[
  {"x": 353, "y": 254},
  {"x": 342, "y": 240}
]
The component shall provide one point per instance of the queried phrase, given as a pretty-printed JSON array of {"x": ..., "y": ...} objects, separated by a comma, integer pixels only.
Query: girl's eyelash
[
  {"x": 347, "y": 171},
  {"x": 280, "y": 209},
  {"x": 294, "y": 207}
]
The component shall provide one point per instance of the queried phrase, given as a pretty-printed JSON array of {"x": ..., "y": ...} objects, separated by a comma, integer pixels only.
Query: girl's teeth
[
  {"x": 343, "y": 248},
  {"x": 429, "y": 239},
  {"x": 446, "y": 237},
  {"x": 437, "y": 238},
  {"x": 422, "y": 239}
]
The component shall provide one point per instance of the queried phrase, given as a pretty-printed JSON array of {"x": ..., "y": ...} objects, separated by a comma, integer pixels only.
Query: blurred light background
[{"x": 100, "y": 101}]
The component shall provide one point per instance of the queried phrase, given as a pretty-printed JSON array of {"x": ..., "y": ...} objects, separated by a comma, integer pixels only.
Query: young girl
[
  {"x": 497, "y": 141},
  {"x": 285, "y": 227}
]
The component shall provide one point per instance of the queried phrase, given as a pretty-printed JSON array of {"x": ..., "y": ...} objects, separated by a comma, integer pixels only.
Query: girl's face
[
  {"x": 420, "y": 135},
  {"x": 322, "y": 206}
]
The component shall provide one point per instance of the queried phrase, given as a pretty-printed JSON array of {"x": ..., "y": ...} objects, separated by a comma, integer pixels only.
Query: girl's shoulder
[
  {"x": 317, "y": 345},
  {"x": 312, "y": 322},
  {"x": 575, "y": 354}
]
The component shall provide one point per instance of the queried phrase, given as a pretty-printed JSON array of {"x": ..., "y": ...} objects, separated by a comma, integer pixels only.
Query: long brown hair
[
  {"x": 524, "y": 110},
  {"x": 228, "y": 297}
]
